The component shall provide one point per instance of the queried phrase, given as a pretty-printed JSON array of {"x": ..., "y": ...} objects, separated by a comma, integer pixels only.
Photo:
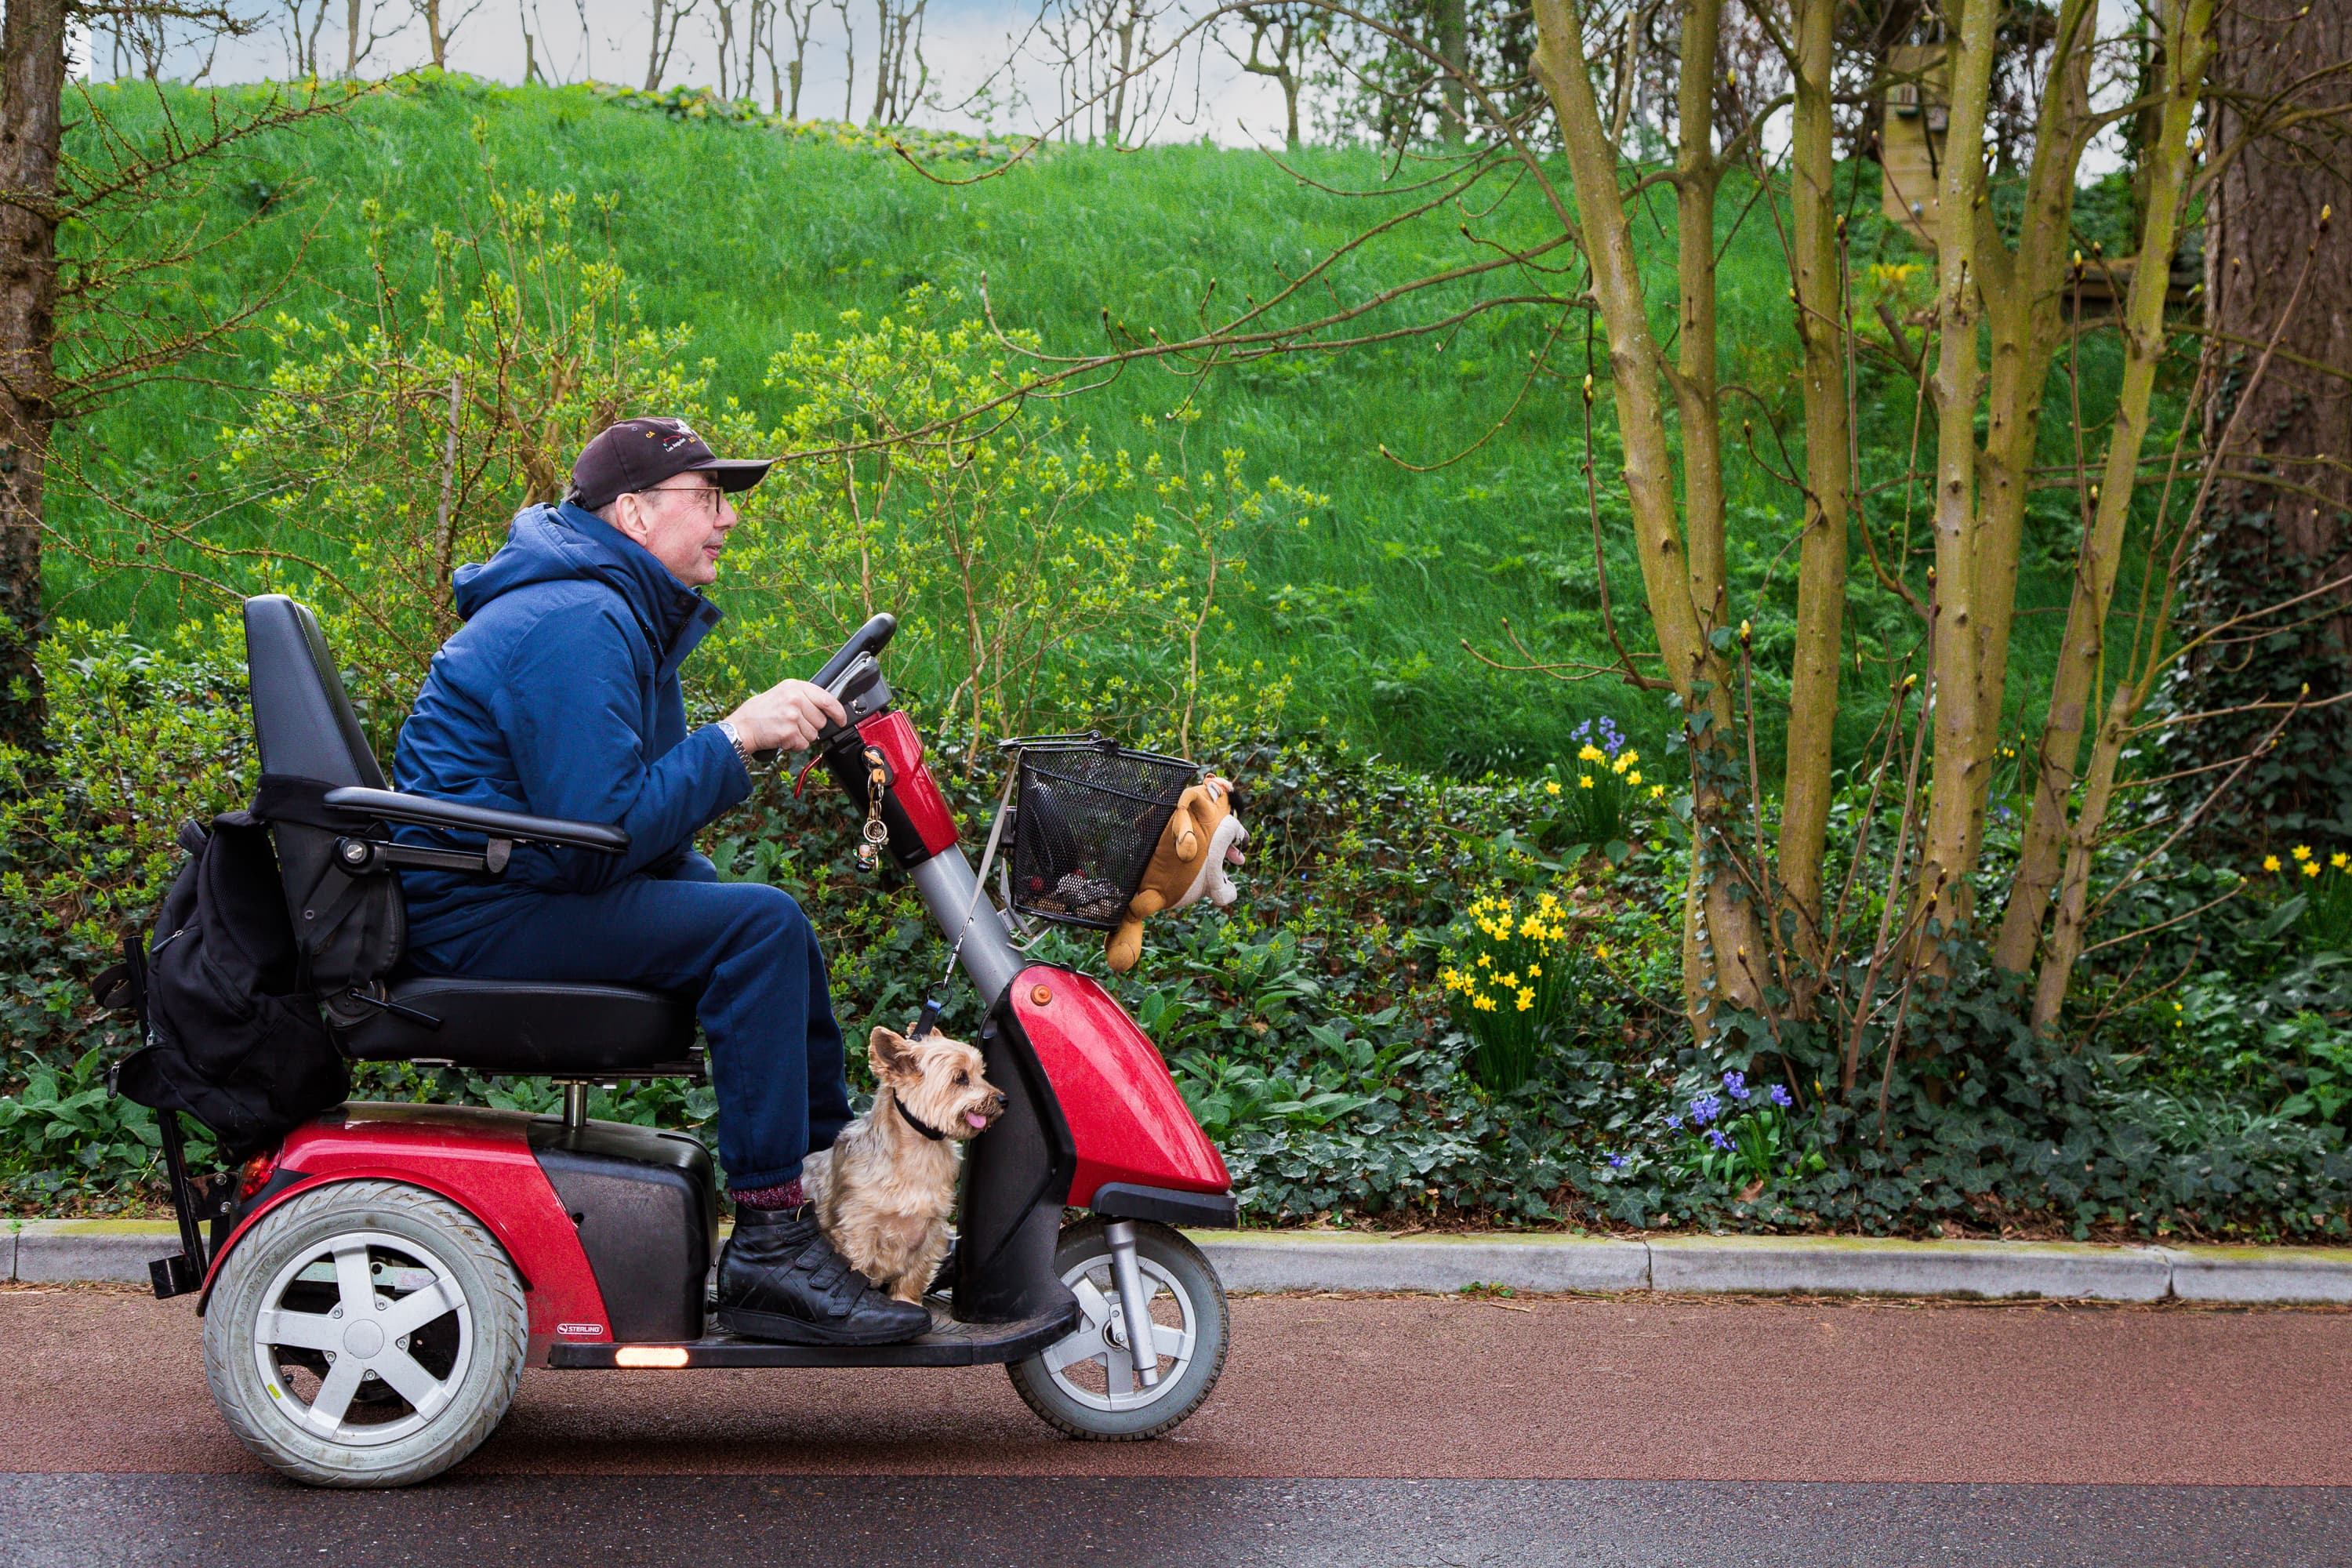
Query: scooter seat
[{"x": 530, "y": 1029}]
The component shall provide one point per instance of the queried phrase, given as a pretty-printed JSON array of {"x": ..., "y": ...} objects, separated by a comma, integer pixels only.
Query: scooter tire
[
  {"x": 1180, "y": 1273},
  {"x": 479, "y": 1340}
]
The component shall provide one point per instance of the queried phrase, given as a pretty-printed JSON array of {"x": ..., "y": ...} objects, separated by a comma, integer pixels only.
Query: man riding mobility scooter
[{"x": 375, "y": 1284}]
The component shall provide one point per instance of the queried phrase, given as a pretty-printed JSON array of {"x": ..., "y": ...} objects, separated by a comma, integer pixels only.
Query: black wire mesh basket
[{"x": 1086, "y": 815}]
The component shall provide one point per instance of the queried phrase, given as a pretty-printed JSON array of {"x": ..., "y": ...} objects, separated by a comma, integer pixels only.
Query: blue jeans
[{"x": 743, "y": 950}]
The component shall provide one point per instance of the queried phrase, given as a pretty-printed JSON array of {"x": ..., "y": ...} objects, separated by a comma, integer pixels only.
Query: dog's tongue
[{"x": 976, "y": 1119}]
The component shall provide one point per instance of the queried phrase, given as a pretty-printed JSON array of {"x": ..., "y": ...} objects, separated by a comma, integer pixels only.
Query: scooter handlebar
[{"x": 871, "y": 637}]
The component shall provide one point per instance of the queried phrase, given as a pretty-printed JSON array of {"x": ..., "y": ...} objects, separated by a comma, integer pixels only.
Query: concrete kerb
[
  {"x": 1266, "y": 1262},
  {"x": 77, "y": 1251}
]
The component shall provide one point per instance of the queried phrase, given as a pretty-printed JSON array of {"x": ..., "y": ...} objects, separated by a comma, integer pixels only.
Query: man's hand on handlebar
[{"x": 787, "y": 716}]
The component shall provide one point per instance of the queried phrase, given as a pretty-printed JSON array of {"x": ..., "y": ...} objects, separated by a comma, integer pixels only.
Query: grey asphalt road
[{"x": 1347, "y": 1431}]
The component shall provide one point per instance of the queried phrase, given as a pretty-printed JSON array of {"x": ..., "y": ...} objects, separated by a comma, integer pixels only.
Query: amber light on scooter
[{"x": 649, "y": 1355}]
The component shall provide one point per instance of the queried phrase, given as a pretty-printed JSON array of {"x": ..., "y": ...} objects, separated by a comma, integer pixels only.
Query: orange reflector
[{"x": 649, "y": 1355}]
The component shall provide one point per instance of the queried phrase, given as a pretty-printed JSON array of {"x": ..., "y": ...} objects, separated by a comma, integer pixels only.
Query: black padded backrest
[{"x": 301, "y": 718}]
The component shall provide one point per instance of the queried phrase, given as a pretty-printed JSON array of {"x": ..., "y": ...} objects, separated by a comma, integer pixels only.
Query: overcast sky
[{"x": 965, "y": 43}]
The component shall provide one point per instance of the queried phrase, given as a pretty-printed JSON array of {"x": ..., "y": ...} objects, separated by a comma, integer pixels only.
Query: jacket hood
[{"x": 562, "y": 544}]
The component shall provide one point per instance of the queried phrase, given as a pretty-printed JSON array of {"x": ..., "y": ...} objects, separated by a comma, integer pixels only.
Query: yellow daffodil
[
  {"x": 1485, "y": 961},
  {"x": 2270, "y": 862},
  {"x": 1657, "y": 792},
  {"x": 1633, "y": 778},
  {"x": 2301, "y": 852},
  {"x": 1601, "y": 950},
  {"x": 1584, "y": 781},
  {"x": 1526, "y": 999},
  {"x": 1482, "y": 1003},
  {"x": 1618, "y": 766},
  {"x": 1510, "y": 979},
  {"x": 1591, "y": 753},
  {"x": 2340, "y": 860},
  {"x": 1551, "y": 786},
  {"x": 2311, "y": 867},
  {"x": 1631, "y": 757},
  {"x": 1535, "y": 971}
]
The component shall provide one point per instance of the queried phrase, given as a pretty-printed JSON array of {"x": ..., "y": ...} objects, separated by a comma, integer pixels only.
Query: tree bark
[
  {"x": 2283, "y": 528},
  {"x": 1955, "y": 690},
  {"x": 2073, "y": 687},
  {"x": 32, "y": 82},
  {"x": 1723, "y": 958},
  {"x": 1819, "y": 283}
]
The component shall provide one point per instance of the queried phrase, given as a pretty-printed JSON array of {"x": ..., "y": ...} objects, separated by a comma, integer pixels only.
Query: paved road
[{"x": 1347, "y": 1431}]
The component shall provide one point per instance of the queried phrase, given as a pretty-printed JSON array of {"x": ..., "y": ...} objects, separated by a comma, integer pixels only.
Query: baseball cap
[{"x": 638, "y": 454}]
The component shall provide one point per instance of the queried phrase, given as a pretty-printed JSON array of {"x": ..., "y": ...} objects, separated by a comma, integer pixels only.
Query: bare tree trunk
[
  {"x": 1818, "y": 275},
  {"x": 435, "y": 38},
  {"x": 850, "y": 69},
  {"x": 2165, "y": 167},
  {"x": 1453, "y": 48},
  {"x": 1721, "y": 930},
  {"x": 32, "y": 81},
  {"x": 2276, "y": 520},
  {"x": 1955, "y": 690}
]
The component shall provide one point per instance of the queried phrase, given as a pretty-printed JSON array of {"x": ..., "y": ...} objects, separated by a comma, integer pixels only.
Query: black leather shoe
[{"x": 779, "y": 1279}]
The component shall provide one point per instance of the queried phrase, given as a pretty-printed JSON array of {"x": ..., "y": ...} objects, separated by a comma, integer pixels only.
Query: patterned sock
[{"x": 788, "y": 1196}]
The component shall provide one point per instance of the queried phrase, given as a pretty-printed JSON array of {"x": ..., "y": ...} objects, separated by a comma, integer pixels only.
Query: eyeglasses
[{"x": 713, "y": 492}]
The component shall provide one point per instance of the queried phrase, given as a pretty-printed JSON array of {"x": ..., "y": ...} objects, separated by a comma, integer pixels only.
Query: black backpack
[{"x": 234, "y": 1032}]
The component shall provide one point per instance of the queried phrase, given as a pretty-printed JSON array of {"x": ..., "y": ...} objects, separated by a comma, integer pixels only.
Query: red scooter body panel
[
  {"x": 480, "y": 1159},
  {"x": 1125, "y": 1114},
  {"x": 918, "y": 793}
]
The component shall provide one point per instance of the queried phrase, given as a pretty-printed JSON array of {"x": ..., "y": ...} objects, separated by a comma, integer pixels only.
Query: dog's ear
[{"x": 890, "y": 1054}]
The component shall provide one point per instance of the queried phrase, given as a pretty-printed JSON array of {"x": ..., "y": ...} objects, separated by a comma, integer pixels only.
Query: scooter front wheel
[
  {"x": 365, "y": 1334},
  {"x": 1087, "y": 1384}
]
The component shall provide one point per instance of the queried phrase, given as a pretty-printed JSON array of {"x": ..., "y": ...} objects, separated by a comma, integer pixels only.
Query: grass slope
[{"x": 747, "y": 237}]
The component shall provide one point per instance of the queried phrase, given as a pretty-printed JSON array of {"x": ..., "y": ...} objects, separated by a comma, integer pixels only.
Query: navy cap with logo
[{"x": 638, "y": 454}]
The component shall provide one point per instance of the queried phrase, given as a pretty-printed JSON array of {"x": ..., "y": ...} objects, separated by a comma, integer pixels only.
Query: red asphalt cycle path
[{"x": 1569, "y": 1388}]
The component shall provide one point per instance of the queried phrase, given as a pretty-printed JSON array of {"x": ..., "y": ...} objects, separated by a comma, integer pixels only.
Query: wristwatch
[{"x": 735, "y": 738}]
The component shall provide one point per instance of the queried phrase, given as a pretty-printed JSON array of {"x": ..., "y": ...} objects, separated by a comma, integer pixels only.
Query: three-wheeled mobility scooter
[{"x": 373, "y": 1287}]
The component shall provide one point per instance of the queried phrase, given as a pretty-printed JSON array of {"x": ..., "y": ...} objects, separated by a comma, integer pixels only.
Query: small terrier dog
[{"x": 884, "y": 1190}]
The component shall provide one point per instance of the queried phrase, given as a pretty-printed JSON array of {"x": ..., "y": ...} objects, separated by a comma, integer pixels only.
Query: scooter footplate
[{"x": 950, "y": 1342}]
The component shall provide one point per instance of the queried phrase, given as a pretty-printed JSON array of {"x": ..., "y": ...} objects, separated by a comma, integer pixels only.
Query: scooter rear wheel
[
  {"x": 1087, "y": 1384},
  {"x": 365, "y": 1334}
]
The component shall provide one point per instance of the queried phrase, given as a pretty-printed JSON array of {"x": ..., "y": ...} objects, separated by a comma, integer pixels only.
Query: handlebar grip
[{"x": 871, "y": 637}]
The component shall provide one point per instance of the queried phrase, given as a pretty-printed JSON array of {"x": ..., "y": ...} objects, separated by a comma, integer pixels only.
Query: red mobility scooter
[{"x": 374, "y": 1288}]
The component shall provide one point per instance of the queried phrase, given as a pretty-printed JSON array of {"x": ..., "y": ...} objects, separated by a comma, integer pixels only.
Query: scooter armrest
[{"x": 424, "y": 811}]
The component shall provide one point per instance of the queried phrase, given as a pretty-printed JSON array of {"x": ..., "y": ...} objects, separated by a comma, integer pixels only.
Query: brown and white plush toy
[{"x": 1202, "y": 837}]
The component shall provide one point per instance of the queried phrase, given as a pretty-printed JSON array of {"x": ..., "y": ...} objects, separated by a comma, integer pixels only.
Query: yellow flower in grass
[
  {"x": 1631, "y": 757},
  {"x": 1547, "y": 902},
  {"x": 1591, "y": 753},
  {"x": 1526, "y": 999},
  {"x": 1482, "y": 1003},
  {"x": 1507, "y": 980},
  {"x": 1633, "y": 778},
  {"x": 2311, "y": 867},
  {"x": 1601, "y": 950},
  {"x": 1657, "y": 792},
  {"x": 2340, "y": 860},
  {"x": 1535, "y": 971},
  {"x": 1618, "y": 766},
  {"x": 1584, "y": 781},
  {"x": 2301, "y": 852},
  {"x": 1485, "y": 961},
  {"x": 2270, "y": 862},
  {"x": 1551, "y": 786}
]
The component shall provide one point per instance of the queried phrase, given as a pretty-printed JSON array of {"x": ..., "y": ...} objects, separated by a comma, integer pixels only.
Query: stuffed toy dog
[{"x": 1202, "y": 838}]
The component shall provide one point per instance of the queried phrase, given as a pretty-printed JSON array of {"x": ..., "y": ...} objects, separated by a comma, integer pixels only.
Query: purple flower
[
  {"x": 1705, "y": 1108},
  {"x": 1715, "y": 1136},
  {"x": 1735, "y": 1085},
  {"x": 1781, "y": 1094},
  {"x": 1674, "y": 1123},
  {"x": 1616, "y": 1162}
]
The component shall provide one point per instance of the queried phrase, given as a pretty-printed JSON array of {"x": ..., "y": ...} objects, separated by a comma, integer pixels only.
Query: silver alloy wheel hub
[
  {"x": 1097, "y": 1350},
  {"x": 386, "y": 1289}
]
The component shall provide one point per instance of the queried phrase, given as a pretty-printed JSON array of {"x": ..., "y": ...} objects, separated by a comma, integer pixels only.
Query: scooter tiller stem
[{"x": 980, "y": 878}]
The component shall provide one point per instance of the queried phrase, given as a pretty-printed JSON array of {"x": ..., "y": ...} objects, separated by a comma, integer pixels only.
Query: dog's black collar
[{"x": 912, "y": 1119}]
